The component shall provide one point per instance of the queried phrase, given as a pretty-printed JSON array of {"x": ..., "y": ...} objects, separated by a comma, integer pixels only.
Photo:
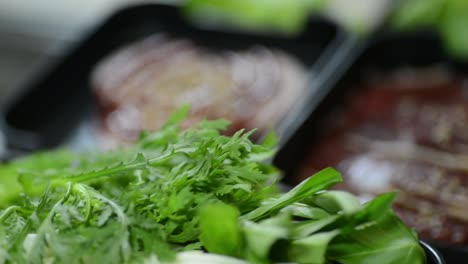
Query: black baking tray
[
  {"x": 382, "y": 52},
  {"x": 57, "y": 100},
  {"x": 385, "y": 51}
]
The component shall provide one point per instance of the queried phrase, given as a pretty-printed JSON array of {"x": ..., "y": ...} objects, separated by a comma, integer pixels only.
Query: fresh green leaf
[
  {"x": 260, "y": 237},
  {"x": 318, "y": 182},
  {"x": 305, "y": 211},
  {"x": 306, "y": 228},
  {"x": 220, "y": 230},
  {"x": 335, "y": 202},
  {"x": 270, "y": 140},
  {"x": 386, "y": 241},
  {"x": 312, "y": 249}
]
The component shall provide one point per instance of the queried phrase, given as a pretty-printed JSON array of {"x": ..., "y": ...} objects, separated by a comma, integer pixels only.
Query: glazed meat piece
[
  {"x": 409, "y": 135},
  {"x": 139, "y": 86}
]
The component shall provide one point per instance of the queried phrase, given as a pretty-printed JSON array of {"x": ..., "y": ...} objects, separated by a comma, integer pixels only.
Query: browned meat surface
[
  {"x": 409, "y": 135},
  {"x": 140, "y": 85}
]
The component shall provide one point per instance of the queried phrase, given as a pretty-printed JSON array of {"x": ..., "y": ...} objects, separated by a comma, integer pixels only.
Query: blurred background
[{"x": 38, "y": 32}]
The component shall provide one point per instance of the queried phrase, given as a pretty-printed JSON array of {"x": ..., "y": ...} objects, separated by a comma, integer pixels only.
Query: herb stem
[
  {"x": 139, "y": 163},
  {"x": 7, "y": 212}
]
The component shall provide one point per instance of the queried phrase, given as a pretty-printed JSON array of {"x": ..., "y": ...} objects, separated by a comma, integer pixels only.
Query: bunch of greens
[
  {"x": 176, "y": 195},
  {"x": 448, "y": 17}
]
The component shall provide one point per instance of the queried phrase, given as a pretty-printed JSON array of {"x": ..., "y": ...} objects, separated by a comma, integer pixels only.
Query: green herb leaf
[
  {"x": 335, "y": 202},
  {"x": 220, "y": 230},
  {"x": 386, "y": 241},
  {"x": 312, "y": 249},
  {"x": 318, "y": 182}
]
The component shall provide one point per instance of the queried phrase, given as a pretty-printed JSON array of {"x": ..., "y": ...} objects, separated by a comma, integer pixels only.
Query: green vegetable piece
[
  {"x": 10, "y": 187},
  {"x": 387, "y": 241},
  {"x": 271, "y": 140},
  {"x": 220, "y": 230},
  {"x": 335, "y": 202},
  {"x": 378, "y": 207},
  {"x": 260, "y": 237},
  {"x": 312, "y": 249},
  {"x": 318, "y": 182},
  {"x": 306, "y": 228},
  {"x": 178, "y": 116},
  {"x": 306, "y": 211}
]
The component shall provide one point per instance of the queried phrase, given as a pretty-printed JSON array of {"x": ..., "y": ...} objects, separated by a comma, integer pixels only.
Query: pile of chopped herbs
[{"x": 189, "y": 196}]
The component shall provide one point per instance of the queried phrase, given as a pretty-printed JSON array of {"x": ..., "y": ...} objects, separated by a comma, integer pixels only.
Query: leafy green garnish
[{"x": 176, "y": 191}]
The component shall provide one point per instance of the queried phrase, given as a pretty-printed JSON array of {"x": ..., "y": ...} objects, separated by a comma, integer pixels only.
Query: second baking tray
[
  {"x": 384, "y": 53},
  {"x": 57, "y": 101}
]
